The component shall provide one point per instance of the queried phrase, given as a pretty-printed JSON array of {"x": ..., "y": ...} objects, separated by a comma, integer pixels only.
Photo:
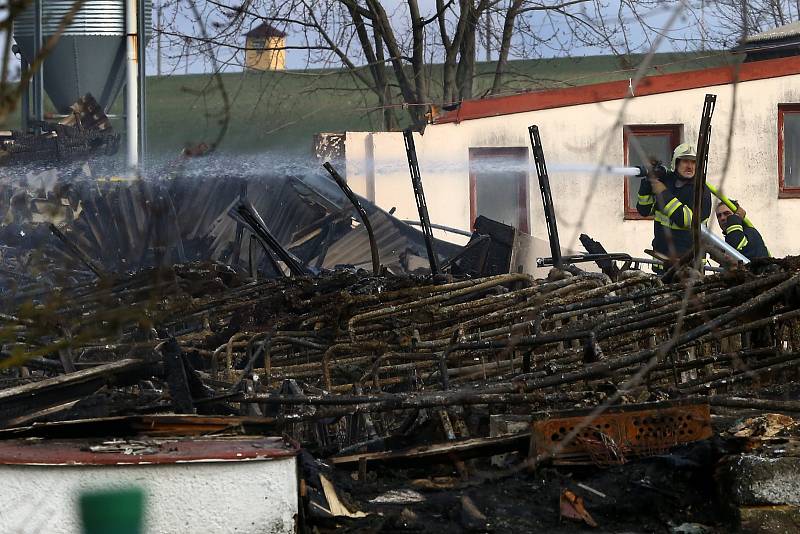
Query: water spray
[{"x": 598, "y": 169}]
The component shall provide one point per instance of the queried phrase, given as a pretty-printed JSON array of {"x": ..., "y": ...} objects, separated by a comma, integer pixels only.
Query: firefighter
[
  {"x": 743, "y": 238},
  {"x": 668, "y": 196}
]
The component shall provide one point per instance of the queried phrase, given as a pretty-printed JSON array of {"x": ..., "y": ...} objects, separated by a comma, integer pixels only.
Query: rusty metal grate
[{"x": 621, "y": 433}]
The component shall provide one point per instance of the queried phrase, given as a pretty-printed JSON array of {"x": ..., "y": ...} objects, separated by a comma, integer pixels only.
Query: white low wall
[{"x": 258, "y": 496}]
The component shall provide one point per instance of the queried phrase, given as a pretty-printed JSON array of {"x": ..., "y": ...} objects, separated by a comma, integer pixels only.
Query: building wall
[
  {"x": 271, "y": 59},
  {"x": 591, "y": 134}
]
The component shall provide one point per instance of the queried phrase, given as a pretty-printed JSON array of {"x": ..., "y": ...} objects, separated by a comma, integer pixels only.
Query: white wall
[
  {"x": 592, "y": 134},
  {"x": 216, "y": 497}
]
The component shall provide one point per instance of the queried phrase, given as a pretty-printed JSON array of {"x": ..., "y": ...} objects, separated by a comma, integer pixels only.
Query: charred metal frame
[
  {"x": 419, "y": 196},
  {"x": 245, "y": 213},
  {"x": 701, "y": 169},
  {"x": 547, "y": 196},
  {"x": 373, "y": 246}
]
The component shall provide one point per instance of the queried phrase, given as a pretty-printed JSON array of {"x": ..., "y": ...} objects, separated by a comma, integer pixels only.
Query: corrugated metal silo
[{"x": 89, "y": 56}]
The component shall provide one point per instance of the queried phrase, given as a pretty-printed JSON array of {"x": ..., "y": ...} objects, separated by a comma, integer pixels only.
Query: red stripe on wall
[{"x": 602, "y": 92}]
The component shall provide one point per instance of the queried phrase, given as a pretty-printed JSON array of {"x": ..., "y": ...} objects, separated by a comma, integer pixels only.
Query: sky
[
  {"x": 198, "y": 63},
  {"x": 296, "y": 58}
]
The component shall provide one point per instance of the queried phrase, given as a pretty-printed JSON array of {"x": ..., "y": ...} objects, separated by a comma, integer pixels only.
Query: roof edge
[
  {"x": 617, "y": 90},
  {"x": 265, "y": 29}
]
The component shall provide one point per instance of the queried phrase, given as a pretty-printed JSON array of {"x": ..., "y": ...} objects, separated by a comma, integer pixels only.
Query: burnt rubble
[
  {"x": 86, "y": 132},
  {"x": 454, "y": 402},
  {"x": 377, "y": 374}
]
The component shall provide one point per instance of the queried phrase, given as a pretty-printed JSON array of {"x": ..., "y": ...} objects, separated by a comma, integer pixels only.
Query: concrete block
[
  {"x": 753, "y": 480},
  {"x": 782, "y": 519},
  {"x": 504, "y": 425}
]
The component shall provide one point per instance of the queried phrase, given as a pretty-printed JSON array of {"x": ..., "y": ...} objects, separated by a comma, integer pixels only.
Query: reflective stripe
[
  {"x": 646, "y": 200},
  {"x": 671, "y": 207},
  {"x": 687, "y": 217},
  {"x": 734, "y": 227},
  {"x": 742, "y": 243},
  {"x": 663, "y": 220}
]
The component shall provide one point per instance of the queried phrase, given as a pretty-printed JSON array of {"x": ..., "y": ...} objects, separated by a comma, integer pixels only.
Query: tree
[
  {"x": 410, "y": 58},
  {"x": 736, "y": 20}
]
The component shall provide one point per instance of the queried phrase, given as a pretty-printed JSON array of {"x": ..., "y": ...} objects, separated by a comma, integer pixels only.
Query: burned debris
[
  {"x": 421, "y": 385},
  {"x": 380, "y": 373},
  {"x": 85, "y": 132}
]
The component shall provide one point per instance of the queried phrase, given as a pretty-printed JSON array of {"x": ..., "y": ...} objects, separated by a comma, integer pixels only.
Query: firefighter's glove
[
  {"x": 646, "y": 188},
  {"x": 659, "y": 171}
]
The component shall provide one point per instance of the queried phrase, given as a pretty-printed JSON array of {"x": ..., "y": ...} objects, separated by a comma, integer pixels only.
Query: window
[
  {"x": 789, "y": 151},
  {"x": 654, "y": 142},
  {"x": 498, "y": 185}
]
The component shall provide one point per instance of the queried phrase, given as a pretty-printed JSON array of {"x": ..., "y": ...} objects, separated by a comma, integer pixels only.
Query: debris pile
[
  {"x": 274, "y": 307},
  {"x": 128, "y": 225},
  {"x": 401, "y": 370},
  {"x": 86, "y": 132}
]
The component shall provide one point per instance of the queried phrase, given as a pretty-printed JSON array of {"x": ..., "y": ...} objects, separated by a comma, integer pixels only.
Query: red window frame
[
  {"x": 523, "y": 209},
  {"x": 674, "y": 133},
  {"x": 785, "y": 191}
]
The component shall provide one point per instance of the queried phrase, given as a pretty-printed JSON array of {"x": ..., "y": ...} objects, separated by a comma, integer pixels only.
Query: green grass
[
  {"x": 282, "y": 111},
  {"x": 274, "y": 110}
]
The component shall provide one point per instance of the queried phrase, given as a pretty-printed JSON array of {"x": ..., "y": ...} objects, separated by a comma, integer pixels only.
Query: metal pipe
[
  {"x": 419, "y": 196},
  {"x": 755, "y": 404},
  {"x": 711, "y": 238},
  {"x": 141, "y": 54},
  {"x": 25, "y": 112},
  {"x": 132, "y": 85},
  {"x": 38, "y": 76},
  {"x": 703, "y": 146},
  {"x": 158, "y": 43},
  {"x": 247, "y": 214},
  {"x": 373, "y": 245},
  {"x": 440, "y": 227},
  {"x": 621, "y": 256},
  {"x": 547, "y": 197},
  {"x": 714, "y": 240}
]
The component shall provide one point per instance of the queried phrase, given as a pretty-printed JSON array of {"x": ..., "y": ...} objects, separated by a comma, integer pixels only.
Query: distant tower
[{"x": 265, "y": 48}]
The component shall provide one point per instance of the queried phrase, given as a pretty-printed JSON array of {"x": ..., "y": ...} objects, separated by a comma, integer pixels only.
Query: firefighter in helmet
[
  {"x": 740, "y": 236},
  {"x": 668, "y": 196}
]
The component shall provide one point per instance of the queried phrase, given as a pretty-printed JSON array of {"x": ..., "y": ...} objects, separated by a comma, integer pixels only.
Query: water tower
[{"x": 97, "y": 53}]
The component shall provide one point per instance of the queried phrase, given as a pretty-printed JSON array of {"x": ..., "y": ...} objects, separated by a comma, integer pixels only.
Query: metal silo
[{"x": 90, "y": 55}]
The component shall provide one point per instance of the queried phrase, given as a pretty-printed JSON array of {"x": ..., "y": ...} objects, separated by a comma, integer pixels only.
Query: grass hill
[{"x": 282, "y": 110}]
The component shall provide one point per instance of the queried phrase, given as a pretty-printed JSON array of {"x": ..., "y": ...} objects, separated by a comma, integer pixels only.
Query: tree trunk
[
  {"x": 466, "y": 64},
  {"x": 418, "y": 57},
  {"x": 407, "y": 88},
  {"x": 505, "y": 45},
  {"x": 745, "y": 28},
  {"x": 450, "y": 68},
  {"x": 375, "y": 58},
  {"x": 385, "y": 98}
]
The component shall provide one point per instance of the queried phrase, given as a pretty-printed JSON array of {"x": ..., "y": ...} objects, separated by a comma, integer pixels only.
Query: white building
[{"x": 477, "y": 159}]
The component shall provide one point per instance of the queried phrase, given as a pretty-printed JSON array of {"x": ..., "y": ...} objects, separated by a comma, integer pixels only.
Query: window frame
[
  {"x": 785, "y": 191},
  {"x": 523, "y": 206},
  {"x": 675, "y": 133}
]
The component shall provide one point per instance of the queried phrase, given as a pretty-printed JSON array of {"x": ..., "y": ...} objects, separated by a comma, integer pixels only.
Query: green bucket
[{"x": 113, "y": 511}]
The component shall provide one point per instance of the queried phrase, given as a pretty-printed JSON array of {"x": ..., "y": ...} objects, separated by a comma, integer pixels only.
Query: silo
[{"x": 89, "y": 56}]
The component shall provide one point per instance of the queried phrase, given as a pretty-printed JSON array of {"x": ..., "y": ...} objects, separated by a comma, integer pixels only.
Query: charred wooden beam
[{"x": 29, "y": 398}]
